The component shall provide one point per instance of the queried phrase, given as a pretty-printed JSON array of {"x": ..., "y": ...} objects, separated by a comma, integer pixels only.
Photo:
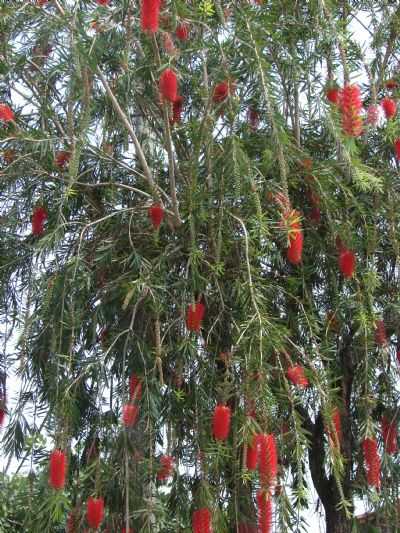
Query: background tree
[{"x": 199, "y": 208}]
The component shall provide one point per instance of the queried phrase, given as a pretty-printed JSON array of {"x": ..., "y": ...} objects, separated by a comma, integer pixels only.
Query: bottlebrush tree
[{"x": 199, "y": 254}]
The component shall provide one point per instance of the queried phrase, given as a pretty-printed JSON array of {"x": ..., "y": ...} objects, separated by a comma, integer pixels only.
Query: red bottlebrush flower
[
  {"x": 6, "y": 113},
  {"x": 182, "y": 31},
  {"x": 391, "y": 84},
  {"x": 333, "y": 94},
  {"x": 156, "y": 214},
  {"x": 373, "y": 115},
  {"x": 264, "y": 505},
  {"x": 290, "y": 220},
  {"x": 201, "y": 521},
  {"x": 57, "y": 469},
  {"x": 129, "y": 414},
  {"x": 168, "y": 85},
  {"x": 177, "y": 107},
  {"x": 372, "y": 462},
  {"x": 166, "y": 467},
  {"x": 135, "y": 388},
  {"x": 389, "y": 107},
  {"x": 347, "y": 263},
  {"x": 95, "y": 512},
  {"x": 39, "y": 216},
  {"x": 221, "y": 422},
  {"x": 351, "y": 106},
  {"x": 103, "y": 2},
  {"x": 149, "y": 16},
  {"x": 62, "y": 158},
  {"x": 267, "y": 460},
  {"x": 252, "y": 454},
  {"x": 336, "y": 438},
  {"x": 397, "y": 148},
  {"x": 2, "y": 416},
  {"x": 195, "y": 315},
  {"x": 295, "y": 374},
  {"x": 221, "y": 92},
  {"x": 389, "y": 434},
  {"x": 380, "y": 333},
  {"x": 253, "y": 118}
]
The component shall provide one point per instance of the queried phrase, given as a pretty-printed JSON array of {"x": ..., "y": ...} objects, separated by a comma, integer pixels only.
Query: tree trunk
[{"x": 336, "y": 520}]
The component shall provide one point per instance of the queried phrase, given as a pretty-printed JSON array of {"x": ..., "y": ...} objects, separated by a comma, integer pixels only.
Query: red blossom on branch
[
  {"x": 201, "y": 521},
  {"x": 39, "y": 217},
  {"x": 194, "y": 316},
  {"x": 264, "y": 506},
  {"x": 296, "y": 375},
  {"x": 372, "y": 462},
  {"x": 347, "y": 263},
  {"x": 6, "y": 113},
  {"x": 389, "y": 434},
  {"x": 221, "y": 422},
  {"x": 57, "y": 469},
  {"x": 267, "y": 460},
  {"x": 351, "y": 106},
  {"x": 168, "y": 85},
  {"x": 156, "y": 214},
  {"x": 149, "y": 15},
  {"x": 95, "y": 512},
  {"x": 389, "y": 107}
]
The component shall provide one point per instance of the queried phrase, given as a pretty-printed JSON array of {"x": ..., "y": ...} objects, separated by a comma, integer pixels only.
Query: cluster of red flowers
[
  {"x": 201, "y": 521},
  {"x": 351, "y": 106},
  {"x": 372, "y": 462},
  {"x": 295, "y": 249},
  {"x": 39, "y": 217},
  {"x": 252, "y": 454},
  {"x": 6, "y": 113},
  {"x": 221, "y": 422},
  {"x": 267, "y": 460},
  {"x": 95, "y": 512},
  {"x": 57, "y": 469},
  {"x": 389, "y": 434},
  {"x": 166, "y": 467},
  {"x": 156, "y": 214},
  {"x": 194, "y": 316},
  {"x": 182, "y": 31},
  {"x": 130, "y": 411},
  {"x": 389, "y": 107},
  {"x": 264, "y": 505},
  {"x": 296, "y": 375},
  {"x": 222, "y": 90},
  {"x": 149, "y": 16},
  {"x": 347, "y": 262},
  {"x": 380, "y": 333},
  {"x": 62, "y": 158}
]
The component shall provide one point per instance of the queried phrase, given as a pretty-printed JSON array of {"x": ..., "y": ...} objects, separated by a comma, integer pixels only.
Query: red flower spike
[
  {"x": 351, "y": 106},
  {"x": 389, "y": 107},
  {"x": 295, "y": 248},
  {"x": 337, "y": 424},
  {"x": 391, "y": 84},
  {"x": 95, "y": 512},
  {"x": 267, "y": 460},
  {"x": 129, "y": 414},
  {"x": 194, "y": 316},
  {"x": 103, "y": 2},
  {"x": 168, "y": 85},
  {"x": 295, "y": 374},
  {"x": 389, "y": 434},
  {"x": 39, "y": 217},
  {"x": 57, "y": 469},
  {"x": 135, "y": 388},
  {"x": 264, "y": 505},
  {"x": 347, "y": 263},
  {"x": 253, "y": 118},
  {"x": 201, "y": 521},
  {"x": 221, "y": 422},
  {"x": 372, "y": 462},
  {"x": 6, "y": 113},
  {"x": 333, "y": 95},
  {"x": 397, "y": 148},
  {"x": 156, "y": 214},
  {"x": 177, "y": 107},
  {"x": 252, "y": 454},
  {"x": 62, "y": 158},
  {"x": 2, "y": 416},
  {"x": 373, "y": 115},
  {"x": 380, "y": 333},
  {"x": 182, "y": 31},
  {"x": 222, "y": 91},
  {"x": 166, "y": 467},
  {"x": 149, "y": 15}
]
